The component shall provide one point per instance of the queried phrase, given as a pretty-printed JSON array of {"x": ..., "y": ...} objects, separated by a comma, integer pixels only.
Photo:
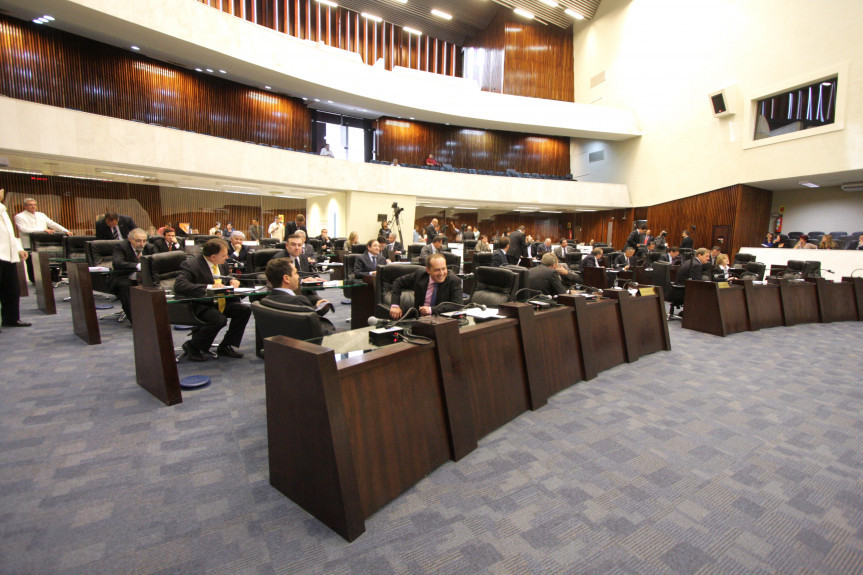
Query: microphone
[
  {"x": 587, "y": 288},
  {"x": 376, "y": 321},
  {"x": 530, "y": 293}
]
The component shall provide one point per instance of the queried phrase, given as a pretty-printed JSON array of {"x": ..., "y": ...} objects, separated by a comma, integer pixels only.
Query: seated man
[
  {"x": 283, "y": 276},
  {"x": 545, "y": 277},
  {"x": 294, "y": 248},
  {"x": 483, "y": 245},
  {"x": 592, "y": 261},
  {"x": 326, "y": 240},
  {"x": 435, "y": 288},
  {"x": 626, "y": 260},
  {"x": 545, "y": 247},
  {"x": 237, "y": 253},
  {"x": 499, "y": 257},
  {"x": 196, "y": 276},
  {"x": 393, "y": 248},
  {"x": 563, "y": 249},
  {"x": 672, "y": 257},
  {"x": 166, "y": 243},
  {"x": 433, "y": 248},
  {"x": 691, "y": 268},
  {"x": 126, "y": 258},
  {"x": 368, "y": 263}
]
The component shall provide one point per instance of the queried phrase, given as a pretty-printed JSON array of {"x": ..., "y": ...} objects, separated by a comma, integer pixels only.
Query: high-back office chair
[
  {"x": 482, "y": 259},
  {"x": 201, "y": 239},
  {"x": 794, "y": 235},
  {"x": 453, "y": 262},
  {"x": 48, "y": 245},
  {"x": 813, "y": 268},
  {"x": 795, "y": 269},
  {"x": 838, "y": 234},
  {"x": 523, "y": 275},
  {"x": 339, "y": 243},
  {"x": 470, "y": 244},
  {"x": 653, "y": 257},
  {"x": 273, "y": 318},
  {"x": 609, "y": 258},
  {"x": 740, "y": 259},
  {"x": 494, "y": 286},
  {"x": 384, "y": 280},
  {"x": 819, "y": 234},
  {"x": 573, "y": 259},
  {"x": 259, "y": 259},
  {"x": 359, "y": 248},
  {"x": 160, "y": 270},
  {"x": 414, "y": 252},
  {"x": 75, "y": 247},
  {"x": 317, "y": 244},
  {"x": 754, "y": 271},
  {"x": 99, "y": 254},
  {"x": 268, "y": 242}
]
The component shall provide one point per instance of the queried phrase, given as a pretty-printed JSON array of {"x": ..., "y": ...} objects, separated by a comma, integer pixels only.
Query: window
[{"x": 810, "y": 106}]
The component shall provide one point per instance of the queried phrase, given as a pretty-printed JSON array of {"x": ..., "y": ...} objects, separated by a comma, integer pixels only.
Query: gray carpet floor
[{"x": 725, "y": 455}]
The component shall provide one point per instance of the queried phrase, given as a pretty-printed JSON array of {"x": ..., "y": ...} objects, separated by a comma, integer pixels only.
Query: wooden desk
[
  {"x": 348, "y": 437},
  {"x": 718, "y": 309},
  {"x": 84, "y": 320},
  {"x": 22, "y": 280},
  {"x": 44, "y": 286},
  {"x": 595, "y": 277}
]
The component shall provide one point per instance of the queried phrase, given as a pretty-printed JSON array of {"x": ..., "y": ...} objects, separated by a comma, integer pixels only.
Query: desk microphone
[
  {"x": 588, "y": 289},
  {"x": 376, "y": 321},
  {"x": 530, "y": 293}
]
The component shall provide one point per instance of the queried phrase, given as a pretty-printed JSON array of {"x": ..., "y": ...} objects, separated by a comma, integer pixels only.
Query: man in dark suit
[
  {"x": 431, "y": 231},
  {"x": 634, "y": 237},
  {"x": 432, "y": 248},
  {"x": 294, "y": 248},
  {"x": 283, "y": 276},
  {"x": 563, "y": 249},
  {"x": 114, "y": 227},
  {"x": 626, "y": 260},
  {"x": 544, "y": 247},
  {"x": 691, "y": 269},
  {"x": 326, "y": 240},
  {"x": 195, "y": 277},
  {"x": 256, "y": 231},
  {"x": 126, "y": 258},
  {"x": 672, "y": 257},
  {"x": 686, "y": 242},
  {"x": 237, "y": 253},
  {"x": 369, "y": 262},
  {"x": 299, "y": 223},
  {"x": 435, "y": 288},
  {"x": 517, "y": 245},
  {"x": 393, "y": 248},
  {"x": 499, "y": 257},
  {"x": 545, "y": 278},
  {"x": 592, "y": 261},
  {"x": 468, "y": 234},
  {"x": 166, "y": 243}
]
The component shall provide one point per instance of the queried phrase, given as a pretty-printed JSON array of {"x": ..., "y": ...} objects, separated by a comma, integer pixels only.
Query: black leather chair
[
  {"x": 99, "y": 254},
  {"x": 754, "y": 271},
  {"x": 339, "y": 243},
  {"x": 453, "y": 262},
  {"x": 51, "y": 246},
  {"x": 273, "y": 319},
  {"x": 482, "y": 259},
  {"x": 268, "y": 242},
  {"x": 359, "y": 248},
  {"x": 610, "y": 257},
  {"x": 384, "y": 280},
  {"x": 350, "y": 260},
  {"x": 470, "y": 244},
  {"x": 414, "y": 252},
  {"x": 573, "y": 259},
  {"x": 317, "y": 244},
  {"x": 160, "y": 270},
  {"x": 740, "y": 259},
  {"x": 523, "y": 276},
  {"x": 794, "y": 235},
  {"x": 494, "y": 286},
  {"x": 201, "y": 239},
  {"x": 258, "y": 260},
  {"x": 813, "y": 268},
  {"x": 653, "y": 257},
  {"x": 795, "y": 269},
  {"x": 75, "y": 247},
  {"x": 838, "y": 234}
]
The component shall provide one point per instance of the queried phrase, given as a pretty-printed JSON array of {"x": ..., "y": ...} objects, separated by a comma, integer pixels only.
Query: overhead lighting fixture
[
  {"x": 523, "y": 13},
  {"x": 43, "y": 19},
  {"x": 441, "y": 14},
  {"x": 368, "y": 16},
  {"x": 573, "y": 13},
  {"x": 809, "y": 184},
  {"x": 399, "y": 124},
  {"x": 550, "y": 211},
  {"x": 550, "y": 3},
  {"x": 77, "y": 177},
  {"x": 241, "y": 187},
  {"x": 135, "y": 48},
  {"x": 402, "y": 1},
  {"x": 27, "y": 172},
  {"x": 413, "y": 31},
  {"x": 465, "y": 208},
  {"x": 239, "y": 192},
  {"x": 197, "y": 188},
  {"x": 222, "y": 72},
  {"x": 518, "y": 210},
  {"x": 125, "y": 174},
  {"x": 328, "y": 3},
  {"x": 198, "y": 70},
  {"x": 267, "y": 88},
  {"x": 210, "y": 70}
]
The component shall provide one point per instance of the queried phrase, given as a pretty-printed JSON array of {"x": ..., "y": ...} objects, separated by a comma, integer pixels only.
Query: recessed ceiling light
[
  {"x": 328, "y": 3},
  {"x": 402, "y": 1},
  {"x": 267, "y": 88},
  {"x": 329, "y": 101},
  {"x": 412, "y": 118},
  {"x": 413, "y": 31},
  {"x": 809, "y": 184},
  {"x": 124, "y": 174},
  {"x": 317, "y": 100},
  {"x": 523, "y": 13},
  {"x": 306, "y": 99},
  {"x": 135, "y": 48},
  {"x": 368, "y": 16},
  {"x": 197, "y": 188},
  {"x": 573, "y": 13},
  {"x": 551, "y": 3},
  {"x": 77, "y": 177},
  {"x": 441, "y": 14},
  {"x": 222, "y": 72},
  {"x": 198, "y": 70},
  {"x": 550, "y": 212},
  {"x": 210, "y": 70},
  {"x": 465, "y": 208}
]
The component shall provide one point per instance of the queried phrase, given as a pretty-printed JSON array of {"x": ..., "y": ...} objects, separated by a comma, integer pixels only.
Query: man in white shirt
[
  {"x": 326, "y": 151},
  {"x": 31, "y": 221},
  {"x": 277, "y": 228},
  {"x": 11, "y": 252}
]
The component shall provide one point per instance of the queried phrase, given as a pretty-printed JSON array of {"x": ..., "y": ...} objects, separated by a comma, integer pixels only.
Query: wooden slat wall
[
  {"x": 523, "y": 59},
  {"x": 345, "y": 29},
  {"x": 52, "y": 67},
  {"x": 745, "y": 209},
  {"x": 76, "y": 204},
  {"x": 411, "y": 142}
]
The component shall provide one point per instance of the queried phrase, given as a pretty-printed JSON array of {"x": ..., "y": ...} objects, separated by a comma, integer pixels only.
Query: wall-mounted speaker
[{"x": 724, "y": 102}]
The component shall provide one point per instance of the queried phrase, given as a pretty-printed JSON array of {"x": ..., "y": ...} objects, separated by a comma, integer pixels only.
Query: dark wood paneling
[
  {"x": 411, "y": 142},
  {"x": 76, "y": 204},
  {"x": 48, "y": 66},
  {"x": 746, "y": 210},
  {"x": 522, "y": 58}
]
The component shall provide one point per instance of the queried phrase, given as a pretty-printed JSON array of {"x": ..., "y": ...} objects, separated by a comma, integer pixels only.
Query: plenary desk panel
[
  {"x": 837, "y": 300},
  {"x": 495, "y": 371},
  {"x": 645, "y": 328},
  {"x": 764, "y": 305},
  {"x": 600, "y": 331},
  {"x": 799, "y": 302},
  {"x": 42, "y": 282},
  {"x": 712, "y": 308},
  {"x": 560, "y": 349}
]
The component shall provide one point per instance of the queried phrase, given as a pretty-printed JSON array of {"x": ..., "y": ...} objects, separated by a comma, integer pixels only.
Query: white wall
[
  {"x": 820, "y": 209},
  {"x": 662, "y": 58},
  {"x": 328, "y": 212},
  {"x": 363, "y": 209}
]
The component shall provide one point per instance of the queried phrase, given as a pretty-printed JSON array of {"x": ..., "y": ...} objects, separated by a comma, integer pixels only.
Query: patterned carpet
[{"x": 725, "y": 455}]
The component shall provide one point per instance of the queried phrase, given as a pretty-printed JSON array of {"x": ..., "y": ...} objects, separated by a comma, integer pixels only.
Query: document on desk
[
  {"x": 476, "y": 312},
  {"x": 99, "y": 269},
  {"x": 241, "y": 290}
]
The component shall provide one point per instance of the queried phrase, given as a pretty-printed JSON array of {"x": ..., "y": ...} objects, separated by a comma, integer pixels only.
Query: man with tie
[
  {"x": 196, "y": 276},
  {"x": 393, "y": 249},
  {"x": 294, "y": 249},
  {"x": 114, "y": 227},
  {"x": 126, "y": 258},
  {"x": 625, "y": 261},
  {"x": 368, "y": 263},
  {"x": 673, "y": 256},
  {"x": 592, "y": 261},
  {"x": 563, "y": 249},
  {"x": 166, "y": 243},
  {"x": 498, "y": 257},
  {"x": 432, "y": 248},
  {"x": 435, "y": 288}
]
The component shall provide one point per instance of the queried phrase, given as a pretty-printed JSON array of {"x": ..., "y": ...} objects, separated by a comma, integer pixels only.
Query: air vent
[
  {"x": 596, "y": 156},
  {"x": 597, "y": 80}
]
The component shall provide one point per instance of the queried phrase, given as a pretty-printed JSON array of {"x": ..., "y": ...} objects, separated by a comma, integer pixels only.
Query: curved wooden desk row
[
  {"x": 722, "y": 309},
  {"x": 347, "y": 437}
]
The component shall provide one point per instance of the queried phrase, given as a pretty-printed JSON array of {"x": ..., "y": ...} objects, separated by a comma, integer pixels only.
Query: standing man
[
  {"x": 11, "y": 252},
  {"x": 277, "y": 228},
  {"x": 196, "y": 276},
  {"x": 431, "y": 231},
  {"x": 167, "y": 243},
  {"x": 634, "y": 236},
  {"x": 114, "y": 227},
  {"x": 369, "y": 262},
  {"x": 435, "y": 288},
  {"x": 31, "y": 221},
  {"x": 256, "y": 232},
  {"x": 498, "y": 257},
  {"x": 686, "y": 242},
  {"x": 468, "y": 234},
  {"x": 299, "y": 223},
  {"x": 126, "y": 258},
  {"x": 517, "y": 245}
]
